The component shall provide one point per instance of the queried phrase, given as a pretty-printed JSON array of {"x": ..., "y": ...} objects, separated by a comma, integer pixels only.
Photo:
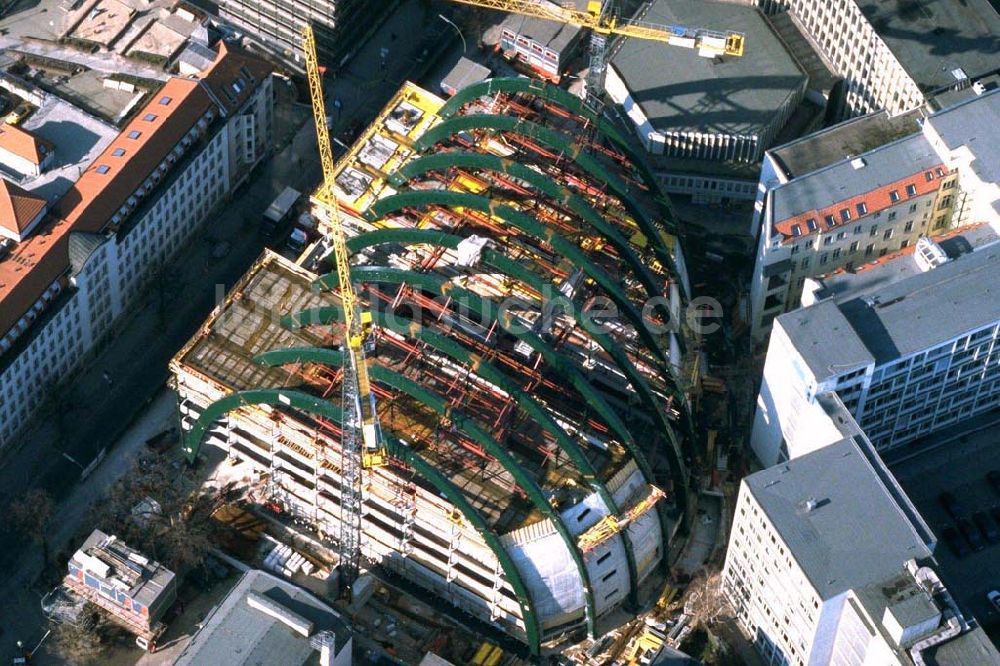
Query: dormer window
[
  {"x": 134, "y": 134},
  {"x": 103, "y": 168},
  {"x": 118, "y": 152},
  {"x": 164, "y": 101},
  {"x": 149, "y": 117}
]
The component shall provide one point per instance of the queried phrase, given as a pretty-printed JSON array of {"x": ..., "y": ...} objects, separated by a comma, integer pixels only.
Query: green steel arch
[
  {"x": 542, "y": 183},
  {"x": 549, "y": 93},
  {"x": 474, "y": 431},
  {"x": 485, "y": 308},
  {"x": 571, "y": 150},
  {"x": 488, "y": 371},
  {"x": 423, "y": 198},
  {"x": 312, "y": 404},
  {"x": 508, "y": 267}
]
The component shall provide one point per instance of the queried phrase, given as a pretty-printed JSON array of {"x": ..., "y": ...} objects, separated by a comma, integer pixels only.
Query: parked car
[
  {"x": 993, "y": 478},
  {"x": 986, "y": 526},
  {"x": 971, "y": 534},
  {"x": 955, "y": 542},
  {"x": 951, "y": 505},
  {"x": 994, "y": 597},
  {"x": 17, "y": 116}
]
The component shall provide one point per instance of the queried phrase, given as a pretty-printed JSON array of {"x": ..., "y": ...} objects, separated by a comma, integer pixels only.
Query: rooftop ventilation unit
[
  {"x": 928, "y": 254},
  {"x": 858, "y": 163}
]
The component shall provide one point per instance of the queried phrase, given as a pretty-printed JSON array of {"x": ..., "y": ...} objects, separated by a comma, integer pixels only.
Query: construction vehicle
[
  {"x": 603, "y": 21},
  {"x": 362, "y": 444}
]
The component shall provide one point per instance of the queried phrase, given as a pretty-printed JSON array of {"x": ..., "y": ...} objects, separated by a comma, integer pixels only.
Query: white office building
[
  {"x": 830, "y": 563},
  {"x": 910, "y": 347},
  {"x": 64, "y": 285}
]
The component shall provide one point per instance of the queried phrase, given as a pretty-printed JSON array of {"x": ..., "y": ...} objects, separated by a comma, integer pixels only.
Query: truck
[{"x": 279, "y": 211}]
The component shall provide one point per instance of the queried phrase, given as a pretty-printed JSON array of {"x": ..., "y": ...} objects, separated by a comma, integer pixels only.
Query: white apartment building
[
  {"x": 65, "y": 285},
  {"x": 910, "y": 347},
  {"x": 830, "y": 563},
  {"x": 843, "y": 197},
  {"x": 896, "y": 60},
  {"x": 843, "y": 216}
]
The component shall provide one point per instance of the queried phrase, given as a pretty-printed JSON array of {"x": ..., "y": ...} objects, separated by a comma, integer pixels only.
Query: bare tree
[
  {"x": 704, "y": 599},
  {"x": 30, "y": 514},
  {"x": 84, "y": 641},
  {"x": 159, "y": 510}
]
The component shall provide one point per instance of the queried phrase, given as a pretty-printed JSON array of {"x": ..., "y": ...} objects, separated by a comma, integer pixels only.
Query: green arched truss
[
  {"x": 489, "y": 310},
  {"x": 517, "y": 219},
  {"x": 313, "y": 405},
  {"x": 549, "y": 93},
  {"x": 485, "y": 369},
  {"x": 577, "y": 204},
  {"x": 469, "y": 427},
  {"x": 515, "y": 270},
  {"x": 568, "y": 149}
]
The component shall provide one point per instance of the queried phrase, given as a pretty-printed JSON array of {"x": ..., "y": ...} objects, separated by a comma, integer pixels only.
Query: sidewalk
[{"x": 136, "y": 360}]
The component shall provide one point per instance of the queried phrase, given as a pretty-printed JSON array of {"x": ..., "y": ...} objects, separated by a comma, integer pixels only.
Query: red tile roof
[
  {"x": 23, "y": 143},
  {"x": 93, "y": 200},
  {"x": 874, "y": 201},
  {"x": 18, "y": 207},
  {"x": 117, "y": 173}
]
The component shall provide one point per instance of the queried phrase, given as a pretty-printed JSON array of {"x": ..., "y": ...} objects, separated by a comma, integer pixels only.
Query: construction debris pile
[{"x": 523, "y": 283}]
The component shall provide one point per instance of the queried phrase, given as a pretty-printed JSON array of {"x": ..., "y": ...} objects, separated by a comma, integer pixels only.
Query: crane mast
[
  {"x": 362, "y": 446},
  {"x": 601, "y": 18}
]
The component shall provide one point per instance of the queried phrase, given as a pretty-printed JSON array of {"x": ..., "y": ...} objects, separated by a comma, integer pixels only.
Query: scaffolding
[{"x": 516, "y": 428}]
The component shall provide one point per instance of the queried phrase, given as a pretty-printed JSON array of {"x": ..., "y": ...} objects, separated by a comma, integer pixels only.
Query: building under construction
[{"x": 526, "y": 349}]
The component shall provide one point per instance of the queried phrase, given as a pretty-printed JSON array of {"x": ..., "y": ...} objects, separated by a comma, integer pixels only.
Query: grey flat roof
[
  {"x": 973, "y": 648},
  {"x": 236, "y": 633},
  {"x": 902, "y": 317},
  {"x": 932, "y": 37},
  {"x": 840, "y": 180},
  {"x": 464, "y": 73},
  {"x": 679, "y": 90},
  {"x": 552, "y": 34},
  {"x": 857, "y": 534},
  {"x": 844, "y": 140},
  {"x": 825, "y": 339},
  {"x": 975, "y": 124},
  {"x": 893, "y": 268}
]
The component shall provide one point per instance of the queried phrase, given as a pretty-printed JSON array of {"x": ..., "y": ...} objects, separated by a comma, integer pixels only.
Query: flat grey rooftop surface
[
  {"x": 857, "y": 534},
  {"x": 78, "y": 139},
  {"x": 975, "y": 124},
  {"x": 932, "y": 37},
  {"x": 843, "y": 140},
  {"x": 888, "y": 164},
  {"x": 899, "y": 318},
  {"x": 236, "y": 633},
  {"x": 679, "y": 90},
  {"x": 893, "y": 268},
  {"x": 552, "y": 34},
  {"x": 826, "y": 340}
]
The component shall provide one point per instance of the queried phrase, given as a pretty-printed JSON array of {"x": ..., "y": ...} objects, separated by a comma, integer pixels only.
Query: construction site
[{"x": 521, "y": 286}]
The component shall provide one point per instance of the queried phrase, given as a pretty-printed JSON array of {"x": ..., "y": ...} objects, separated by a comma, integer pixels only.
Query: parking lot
[{"x": 959, "y": 465}]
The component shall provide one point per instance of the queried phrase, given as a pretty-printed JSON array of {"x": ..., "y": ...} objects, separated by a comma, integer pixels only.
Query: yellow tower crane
[
  {"x": 362, "y": 445},
  {"x": 602, "y": 19}
]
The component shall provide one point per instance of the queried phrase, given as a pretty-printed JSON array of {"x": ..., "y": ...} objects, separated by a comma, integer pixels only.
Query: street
[{"x": 124, "y": 383}]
